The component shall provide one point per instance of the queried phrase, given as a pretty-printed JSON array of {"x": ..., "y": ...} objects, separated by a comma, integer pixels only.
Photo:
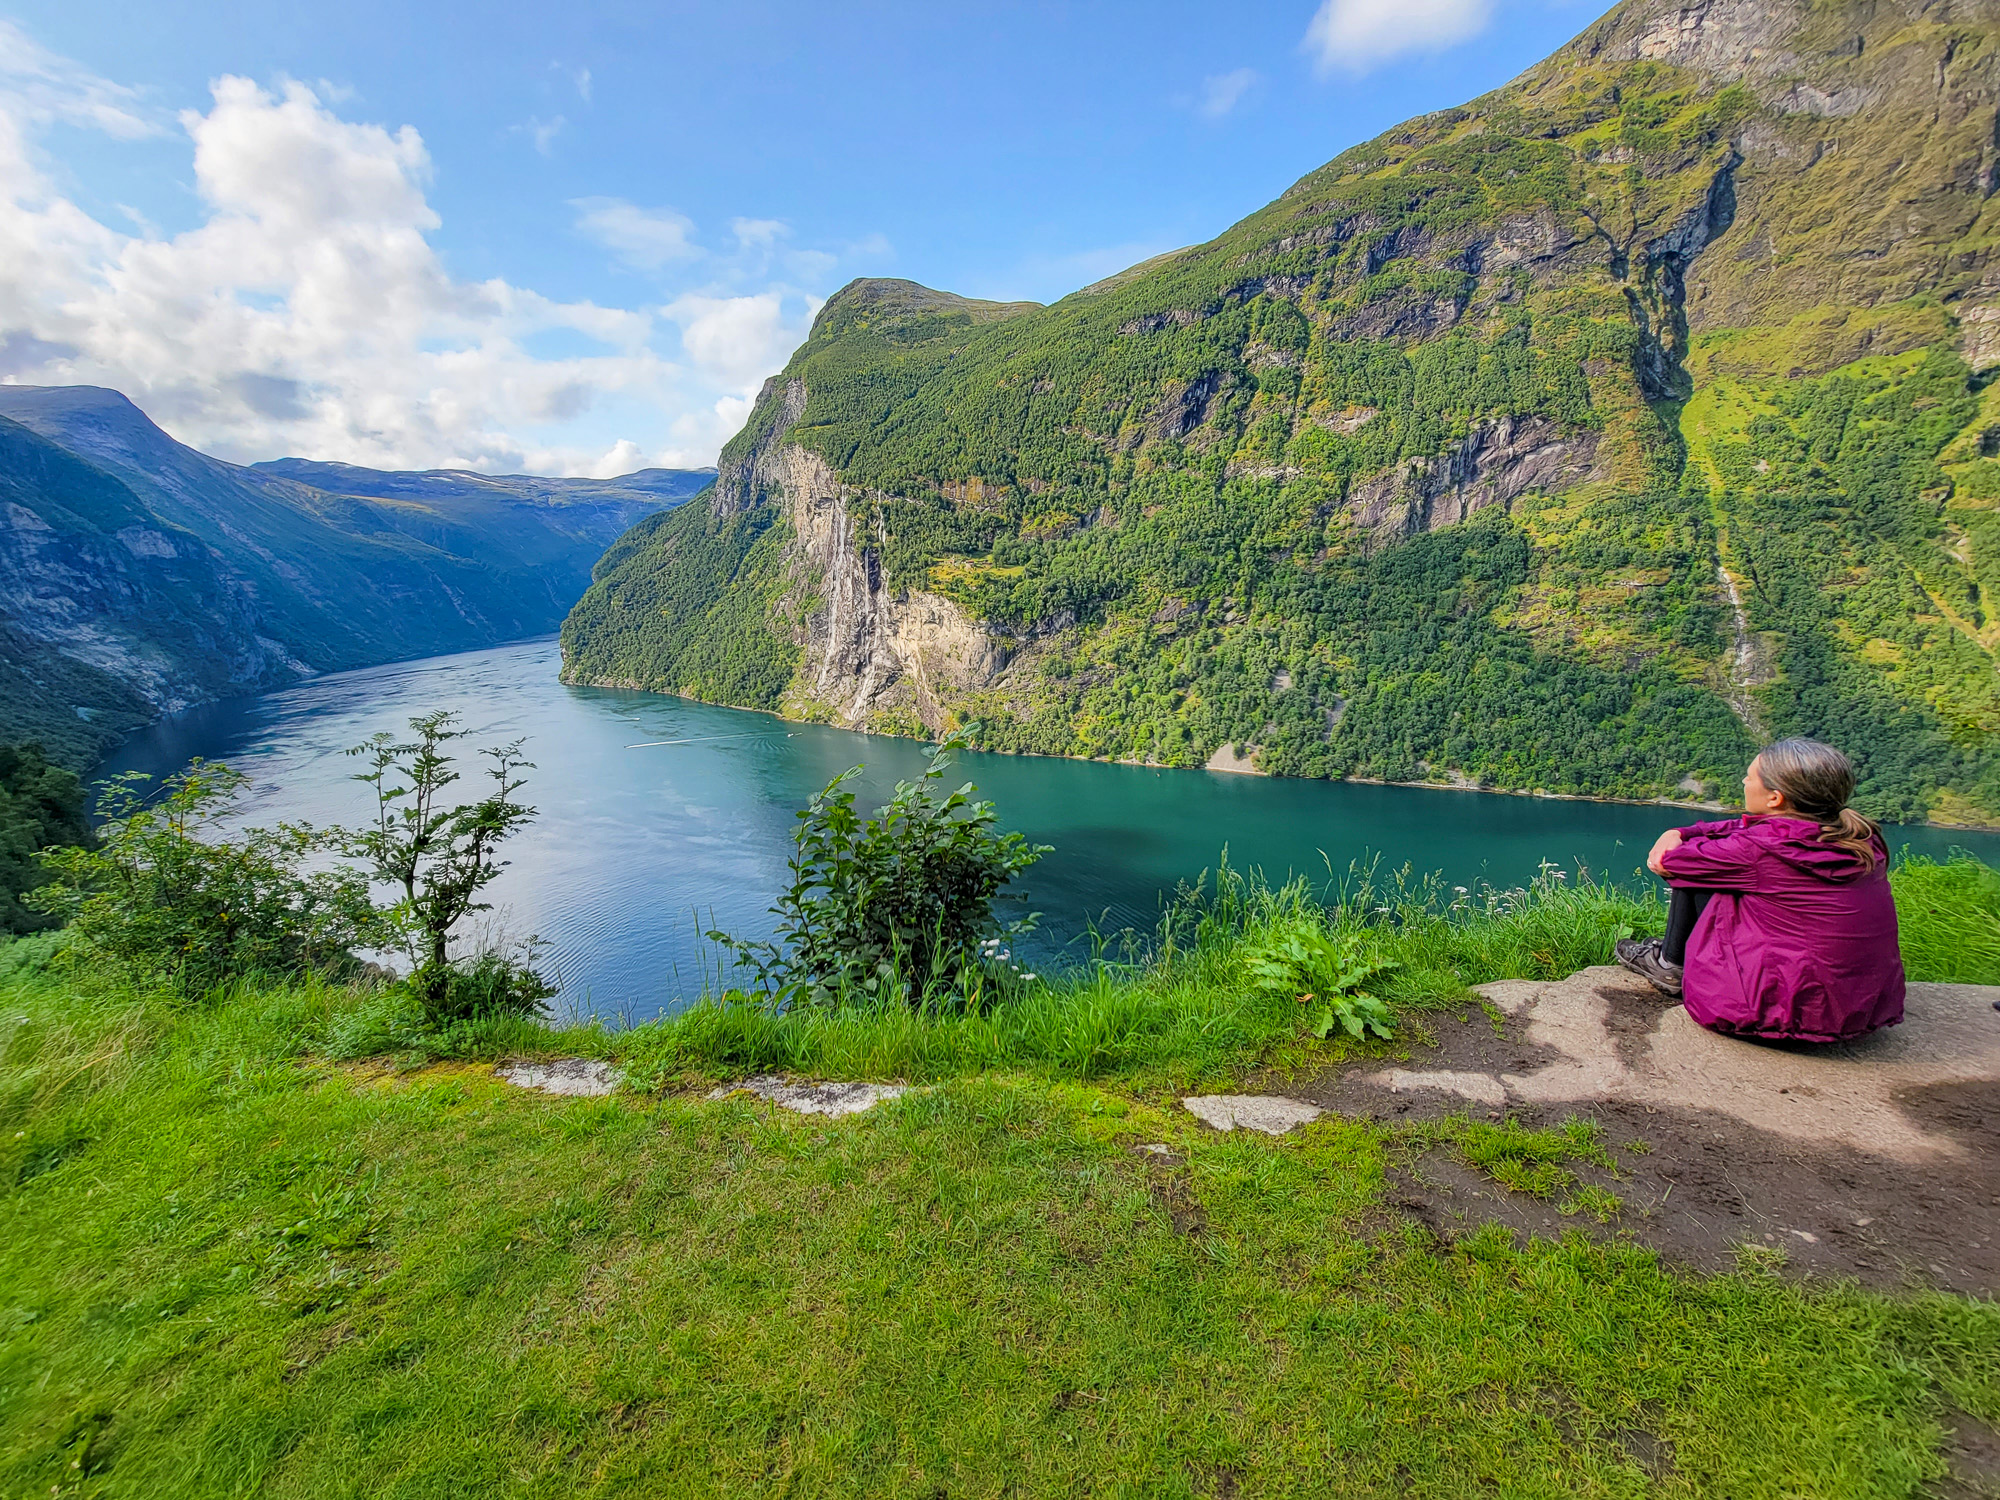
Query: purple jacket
[{"x": 1800, "y": 943}]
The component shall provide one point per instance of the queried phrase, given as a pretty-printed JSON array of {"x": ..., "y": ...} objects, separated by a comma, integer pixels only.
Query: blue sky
[{"x": 574, "y": 238}]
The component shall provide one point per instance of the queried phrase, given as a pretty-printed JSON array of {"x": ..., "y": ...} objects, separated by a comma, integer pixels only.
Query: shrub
[
  {"x": 441, "y": 858},
  {"x": 41, "y": 805},
  {"x": 896, "y": 906},
  {"x": 164, "y": 898}
]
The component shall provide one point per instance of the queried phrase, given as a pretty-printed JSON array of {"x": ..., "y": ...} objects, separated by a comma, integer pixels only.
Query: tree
[
  {"x": 41, "y": 805},
  {"x": 441, "y": 858}
]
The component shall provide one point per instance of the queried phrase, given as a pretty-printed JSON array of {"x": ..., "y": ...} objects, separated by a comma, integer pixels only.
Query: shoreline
[{"x": 628, "y": 686}]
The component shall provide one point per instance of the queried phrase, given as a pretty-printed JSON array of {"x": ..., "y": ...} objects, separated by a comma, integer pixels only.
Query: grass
[
  {"x": 1184, "y": 1013},
  {"x": 1949, "y": 916},
  {"x": 230, "y": 1268},
  {"x": 232, "y": 1264}
]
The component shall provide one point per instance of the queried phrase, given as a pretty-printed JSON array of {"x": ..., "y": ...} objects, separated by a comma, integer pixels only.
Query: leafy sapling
[{"x": 441, "y": 857}]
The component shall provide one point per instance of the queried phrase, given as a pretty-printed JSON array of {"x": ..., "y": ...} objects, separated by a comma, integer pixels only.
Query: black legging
[{"x": 1682, "y": 909}]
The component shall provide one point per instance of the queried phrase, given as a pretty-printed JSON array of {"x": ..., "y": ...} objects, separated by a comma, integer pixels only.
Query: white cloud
[
  {"x": 542, "y": 132},
  {"x": 38, "y": 87},
  {"x": 623, "y": 457},
  {"x": 1355, "y": 35},
  {"x": 1222, "y": 92},
  {"x": 307, "y": 312},
  {"x": 645, "y": 238},
  {"x": 764, "y": 232},
  {"x": 581, "y": 78},
  {"x": 736, "y": 341}
]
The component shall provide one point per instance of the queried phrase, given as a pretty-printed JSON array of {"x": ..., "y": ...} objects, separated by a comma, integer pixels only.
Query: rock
[
  {"x": 1481, "y": 1086},
  {"x": 1604, "y": 1035},
  {"x": 571, "y": 1077},
  {"x": 1272, "y": 1114},
  {"x": 831, "y": 1099}
]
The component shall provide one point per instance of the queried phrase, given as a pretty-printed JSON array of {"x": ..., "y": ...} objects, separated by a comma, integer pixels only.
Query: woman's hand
[{"x": 1656, "y": 861}]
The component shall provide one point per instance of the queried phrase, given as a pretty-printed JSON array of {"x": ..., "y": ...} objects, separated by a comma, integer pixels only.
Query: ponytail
[
  {"x": 1816, "y": 781},
  {"x": 1854, "y": 833}
]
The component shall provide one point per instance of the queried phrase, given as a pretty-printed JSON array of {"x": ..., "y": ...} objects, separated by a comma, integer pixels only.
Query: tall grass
[
  {"x": 1949, "y": 918},
  {"x": 1182, "y": 1007}
]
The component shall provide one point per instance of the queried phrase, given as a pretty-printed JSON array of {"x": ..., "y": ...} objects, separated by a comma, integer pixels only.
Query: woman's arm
[{"x": 1725, "y": 863}]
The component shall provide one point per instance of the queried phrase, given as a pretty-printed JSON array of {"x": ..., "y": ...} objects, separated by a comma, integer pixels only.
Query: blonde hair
[{"x": 1816, "y": 780}]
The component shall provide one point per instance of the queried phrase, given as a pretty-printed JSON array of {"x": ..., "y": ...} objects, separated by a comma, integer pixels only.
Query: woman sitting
[{"x": 1780, "y": 924}]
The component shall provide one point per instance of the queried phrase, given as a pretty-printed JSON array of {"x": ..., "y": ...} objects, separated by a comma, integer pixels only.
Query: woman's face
[{"x": 1758, "y": 798}]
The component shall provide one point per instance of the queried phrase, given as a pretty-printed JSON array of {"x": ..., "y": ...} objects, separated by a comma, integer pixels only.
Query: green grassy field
[{"x": 231, "y": 1265}]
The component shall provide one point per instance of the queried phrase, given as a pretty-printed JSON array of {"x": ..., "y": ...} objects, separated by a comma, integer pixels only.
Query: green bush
[
  {"x": 41, "y": 805},
  {"x": 894, "y": 907},
  {"x": 164, "y": 897}
]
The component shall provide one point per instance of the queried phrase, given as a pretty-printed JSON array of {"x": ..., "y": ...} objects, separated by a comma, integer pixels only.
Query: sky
[{"x": 575, "y": 238}]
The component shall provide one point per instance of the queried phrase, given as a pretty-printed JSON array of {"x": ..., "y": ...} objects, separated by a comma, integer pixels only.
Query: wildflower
[{"x": 1028, "y": 977}]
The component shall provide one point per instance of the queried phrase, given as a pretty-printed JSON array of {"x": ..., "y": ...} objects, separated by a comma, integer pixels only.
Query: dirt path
[{"x": 1878, "y": 1159}]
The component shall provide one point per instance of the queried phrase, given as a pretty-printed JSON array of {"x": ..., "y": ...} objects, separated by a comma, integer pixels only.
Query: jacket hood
[{"x": 1796, "y": 841}]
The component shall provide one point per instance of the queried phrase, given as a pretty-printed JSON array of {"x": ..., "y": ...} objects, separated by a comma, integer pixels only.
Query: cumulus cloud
[
  {"x": 1355, "y": 35},
  {"x": 736, "y": 341},
  {"x": 644, "y": 238},
  {"x": 1222, "y": 92},
  {"x": 307, "y": 312}
]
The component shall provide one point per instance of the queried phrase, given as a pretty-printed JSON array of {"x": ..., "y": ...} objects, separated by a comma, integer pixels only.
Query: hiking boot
[{"x": 1642, "y": 957}]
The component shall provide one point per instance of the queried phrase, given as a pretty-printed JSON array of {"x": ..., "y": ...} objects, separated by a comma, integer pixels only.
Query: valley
[{"x": 140, "y": 577}]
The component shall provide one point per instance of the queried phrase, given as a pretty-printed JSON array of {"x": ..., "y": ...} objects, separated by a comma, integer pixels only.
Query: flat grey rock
[
  {"x": 1273, "y": 1114},
  {"x": 831, "y": 1099},
  {"x": 1845, "y": 1094},
  {"x": 572, "y": 1077}
]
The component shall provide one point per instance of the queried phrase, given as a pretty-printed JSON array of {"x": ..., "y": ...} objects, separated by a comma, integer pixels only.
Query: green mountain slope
[
  {"x": 138, "y": 576},
  {"x": 1575, "y": 439}
]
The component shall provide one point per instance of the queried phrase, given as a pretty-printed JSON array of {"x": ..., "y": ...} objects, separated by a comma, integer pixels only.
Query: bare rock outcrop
[{"x": 1494, "y": 464}]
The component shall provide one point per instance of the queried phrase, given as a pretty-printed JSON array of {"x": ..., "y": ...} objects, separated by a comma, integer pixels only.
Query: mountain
[
  {"x": 138, "y": 576},
  {"x": 1576, "y": 439}
]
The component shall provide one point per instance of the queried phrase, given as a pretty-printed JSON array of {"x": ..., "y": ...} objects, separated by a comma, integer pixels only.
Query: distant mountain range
[
  {"x": 1576, "y": 439},
  {"x": 138, "y": 576}
]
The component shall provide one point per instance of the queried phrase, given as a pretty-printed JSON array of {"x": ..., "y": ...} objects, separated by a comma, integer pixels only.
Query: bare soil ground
[{"x": 1877, "y": 1160}]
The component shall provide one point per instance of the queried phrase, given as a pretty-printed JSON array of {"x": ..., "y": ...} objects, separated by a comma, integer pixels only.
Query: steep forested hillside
[
  {"x": 138, "y": 576},
  {"x": 1575, "y": 439}
]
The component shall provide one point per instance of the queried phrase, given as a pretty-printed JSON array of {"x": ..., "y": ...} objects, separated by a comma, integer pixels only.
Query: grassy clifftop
[{"x": 1575, "y": 438}]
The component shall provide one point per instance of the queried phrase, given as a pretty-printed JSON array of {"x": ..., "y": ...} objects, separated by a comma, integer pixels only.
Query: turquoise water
[{"x": 640, "y": 846}]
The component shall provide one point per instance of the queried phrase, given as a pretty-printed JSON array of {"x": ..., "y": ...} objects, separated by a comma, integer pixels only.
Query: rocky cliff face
[
  {"x": 872, "y": 652},
  {"x": 1571, "y": 438}
]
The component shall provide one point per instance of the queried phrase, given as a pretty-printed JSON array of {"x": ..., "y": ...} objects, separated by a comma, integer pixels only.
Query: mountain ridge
[
  {"x": 139, "y": 576},
  {"x": 1576, "y": 438}
]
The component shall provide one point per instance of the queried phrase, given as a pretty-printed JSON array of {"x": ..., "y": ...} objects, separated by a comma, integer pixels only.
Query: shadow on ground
[{"x": 1877, "y": 1159}]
